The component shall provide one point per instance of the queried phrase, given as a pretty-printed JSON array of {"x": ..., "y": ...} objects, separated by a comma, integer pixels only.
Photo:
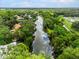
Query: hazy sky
[{"x": 39, "y": 3}]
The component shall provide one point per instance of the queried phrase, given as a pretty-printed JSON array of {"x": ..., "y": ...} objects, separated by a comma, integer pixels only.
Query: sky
[{"x": 39, "y": 3}]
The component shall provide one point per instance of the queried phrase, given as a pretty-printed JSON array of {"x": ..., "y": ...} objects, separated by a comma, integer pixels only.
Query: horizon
[{"x": 39, "y": 4}]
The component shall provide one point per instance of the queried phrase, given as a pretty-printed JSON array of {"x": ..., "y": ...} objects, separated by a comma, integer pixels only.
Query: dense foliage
[
  {"x": 70, "y": 53},
  {"x": 65, "y": 40},
  {"x": 75, "y": 25},
  {"x": 21, "y": 51}
]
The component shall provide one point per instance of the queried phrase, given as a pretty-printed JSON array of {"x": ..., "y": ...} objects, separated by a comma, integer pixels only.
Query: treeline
[{"x": 67, "y": 12}]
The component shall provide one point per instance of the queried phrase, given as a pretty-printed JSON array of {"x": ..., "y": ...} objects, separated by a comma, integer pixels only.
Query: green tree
[
  {"x": 69, "y": 53},
  {"x": 5, "y": 35},
  {"x": 75, "y": 25},
  {"x": 21, "y": 51}
]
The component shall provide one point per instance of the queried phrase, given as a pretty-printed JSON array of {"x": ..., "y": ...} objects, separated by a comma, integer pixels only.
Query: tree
[
  {"x": 21, "y": 51},
  {"x": 5, "y": 35},
  {"x": 75, "y": 25},
  {"x": 69, "y": 53}
]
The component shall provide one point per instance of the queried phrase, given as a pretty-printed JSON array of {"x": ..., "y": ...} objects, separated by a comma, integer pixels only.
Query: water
[{"x": 41, "y": 42}]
